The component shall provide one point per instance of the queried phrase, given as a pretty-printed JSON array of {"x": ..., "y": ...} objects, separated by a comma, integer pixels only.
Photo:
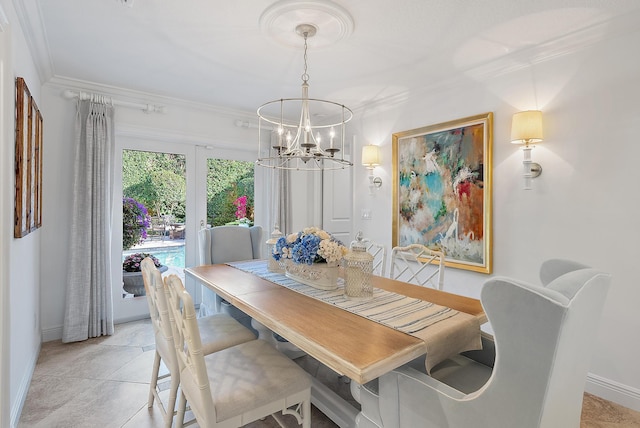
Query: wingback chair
[
  {"x": 543, "y": 335},
  {"x": 222, "y": 244}
]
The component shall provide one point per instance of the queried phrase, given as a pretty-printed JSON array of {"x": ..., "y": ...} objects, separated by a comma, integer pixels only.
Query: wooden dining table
[{"x": 347, "y": 343}]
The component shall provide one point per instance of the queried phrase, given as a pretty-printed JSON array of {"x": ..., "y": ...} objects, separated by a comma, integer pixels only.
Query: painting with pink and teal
[{"x": 441, "y": 192}]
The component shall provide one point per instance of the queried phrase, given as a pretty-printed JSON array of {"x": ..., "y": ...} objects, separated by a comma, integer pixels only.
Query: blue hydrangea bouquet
[{"x": 311, "y": 245}]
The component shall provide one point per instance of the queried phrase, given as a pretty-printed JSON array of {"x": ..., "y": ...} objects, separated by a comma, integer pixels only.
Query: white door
[
  {"x": 337, "y": 203},
  {"x": 261, "y": 197},
  {"x": 125, "y": 306}
]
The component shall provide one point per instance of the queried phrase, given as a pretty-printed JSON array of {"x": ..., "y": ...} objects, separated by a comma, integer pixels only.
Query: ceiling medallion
[{"x": 279, "y": 22}]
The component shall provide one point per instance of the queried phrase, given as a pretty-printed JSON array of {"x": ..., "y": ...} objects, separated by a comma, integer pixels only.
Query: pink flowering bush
[
  {"x": 241, "y": 212},
  {"x": 241, "y": 207}
]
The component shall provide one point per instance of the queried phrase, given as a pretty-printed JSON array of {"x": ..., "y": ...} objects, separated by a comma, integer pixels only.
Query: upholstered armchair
[
  {"x": 222, "y": 244},
  {"x": 543, "y": 335}
]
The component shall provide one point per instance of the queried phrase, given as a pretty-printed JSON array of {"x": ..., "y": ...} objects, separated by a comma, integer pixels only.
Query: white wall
[
  {"x": 22, "y": 257},
  {"x": 583, "y": 206},
  {"x": 6, "y": 172}
]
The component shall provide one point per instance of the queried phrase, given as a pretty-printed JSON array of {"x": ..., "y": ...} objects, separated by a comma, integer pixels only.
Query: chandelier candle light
[{"x": 303, "y": 144}]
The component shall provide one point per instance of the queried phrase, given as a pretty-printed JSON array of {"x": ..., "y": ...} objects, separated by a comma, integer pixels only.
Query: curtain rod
[{"x": 147, "y": 108}]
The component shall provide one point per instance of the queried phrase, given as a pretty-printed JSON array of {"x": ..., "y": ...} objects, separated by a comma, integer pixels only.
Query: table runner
[{"x": 445, "y": 331}]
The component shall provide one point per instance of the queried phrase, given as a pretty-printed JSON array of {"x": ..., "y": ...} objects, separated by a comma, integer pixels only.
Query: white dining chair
[
  {"x": 418, "y": 264},
  {"x": 218, "y": 332},
  {"x": 237, "y": 385}
]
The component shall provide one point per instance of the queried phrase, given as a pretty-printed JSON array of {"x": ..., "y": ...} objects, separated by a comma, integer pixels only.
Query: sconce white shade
[
  {"x": 526, "y": 127},
  {"x": 371, "y": 156}
]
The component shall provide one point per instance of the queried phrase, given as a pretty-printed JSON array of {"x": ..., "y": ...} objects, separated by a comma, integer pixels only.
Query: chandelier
[{"x": 315, "y": 141}]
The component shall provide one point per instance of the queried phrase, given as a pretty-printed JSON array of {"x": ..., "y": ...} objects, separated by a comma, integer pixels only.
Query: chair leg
[
  {"x": 154, "y": 379},
  {"x": 182, "y": 405},
  {"x": 171, "y": 405},
  {"x": 306, "y": 408}
]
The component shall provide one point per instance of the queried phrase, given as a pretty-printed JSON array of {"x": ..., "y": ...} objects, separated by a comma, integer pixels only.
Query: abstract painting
[{"x": 442, "y": 190}]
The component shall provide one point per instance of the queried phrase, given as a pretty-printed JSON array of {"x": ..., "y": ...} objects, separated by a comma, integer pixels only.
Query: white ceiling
[{"x": 215, "y": 52}]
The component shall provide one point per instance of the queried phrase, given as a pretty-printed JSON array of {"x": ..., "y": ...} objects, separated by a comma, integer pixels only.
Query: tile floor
[{"x": 104, "y": 383}]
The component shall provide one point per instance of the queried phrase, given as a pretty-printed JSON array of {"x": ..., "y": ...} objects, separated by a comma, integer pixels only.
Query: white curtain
[
  {"x": 89, "y": 306},
  {"x": 282, "y": 196}
]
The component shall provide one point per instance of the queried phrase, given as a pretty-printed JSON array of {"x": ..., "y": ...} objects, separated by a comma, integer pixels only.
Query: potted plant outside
[
  {"x": 132, "y": 281},
  {"x": 135, "y": 222}
]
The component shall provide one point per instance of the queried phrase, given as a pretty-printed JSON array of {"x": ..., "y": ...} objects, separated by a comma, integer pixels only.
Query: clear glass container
[
  {"x": 274, "y": 265},
  {"x": 358, "y": 266}
]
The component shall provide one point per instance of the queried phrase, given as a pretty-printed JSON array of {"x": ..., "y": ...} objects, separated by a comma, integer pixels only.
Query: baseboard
[
  {"x": 623, "y": 395},
  {"x": 55, "y": 333},
  {"x": 50, "y": 334},
  {"x": 23, "y": 390}
]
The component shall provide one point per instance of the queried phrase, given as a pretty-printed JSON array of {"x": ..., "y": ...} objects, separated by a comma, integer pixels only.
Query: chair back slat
[
  {"x": 156, "y": 298},
  {"x": 418, "y": 264},
  {"x": 379, "y": 253},
  {"x": 188, "y": 344}
]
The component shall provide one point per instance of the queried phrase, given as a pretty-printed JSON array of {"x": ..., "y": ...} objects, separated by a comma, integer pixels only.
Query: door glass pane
[
  {"x": 154, "y": 203},
  {"x": 229, "y": 192}
]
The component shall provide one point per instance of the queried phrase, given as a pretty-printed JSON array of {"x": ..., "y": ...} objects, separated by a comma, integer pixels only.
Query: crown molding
[
  {"x": 28, "y": 13},
  {"x": 568, "y": 44},
  {"x": 515, "y": 61},
  {"x": 3, "y": 20},
  {"x": 63, "y": 83},
  {"x": 185, "y": 138}
]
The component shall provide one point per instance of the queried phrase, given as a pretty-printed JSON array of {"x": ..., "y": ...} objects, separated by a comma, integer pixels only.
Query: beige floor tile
[
  {"x": 138, "y": 369},
  {"x": 100, "y": 362},
  {"x": 48, "y": 394},
  {"x": 103, "y": 404}
]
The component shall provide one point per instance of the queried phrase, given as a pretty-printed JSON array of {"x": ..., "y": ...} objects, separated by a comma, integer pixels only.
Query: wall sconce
[
  {"x": 526, "y": 128},
  {"x": 371, "y": 159}
]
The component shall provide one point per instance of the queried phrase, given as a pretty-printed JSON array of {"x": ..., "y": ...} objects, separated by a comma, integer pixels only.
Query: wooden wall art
[{"x": 28, "y": 195}]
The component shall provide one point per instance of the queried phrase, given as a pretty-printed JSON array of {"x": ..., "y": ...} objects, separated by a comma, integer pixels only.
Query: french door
[
  {"x": 336, "y": 212},
  {"x": 196, "y": 158},
  {"x": 163, "y": 243}
]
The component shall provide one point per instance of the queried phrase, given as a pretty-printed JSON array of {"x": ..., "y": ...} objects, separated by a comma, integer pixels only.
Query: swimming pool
[{"x": 168, "y": 256}]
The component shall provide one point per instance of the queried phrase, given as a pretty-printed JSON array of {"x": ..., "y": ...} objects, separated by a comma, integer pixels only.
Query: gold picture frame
[
  {"x": 442, "y": 194},
  {"x": 28, "y": 163}
]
